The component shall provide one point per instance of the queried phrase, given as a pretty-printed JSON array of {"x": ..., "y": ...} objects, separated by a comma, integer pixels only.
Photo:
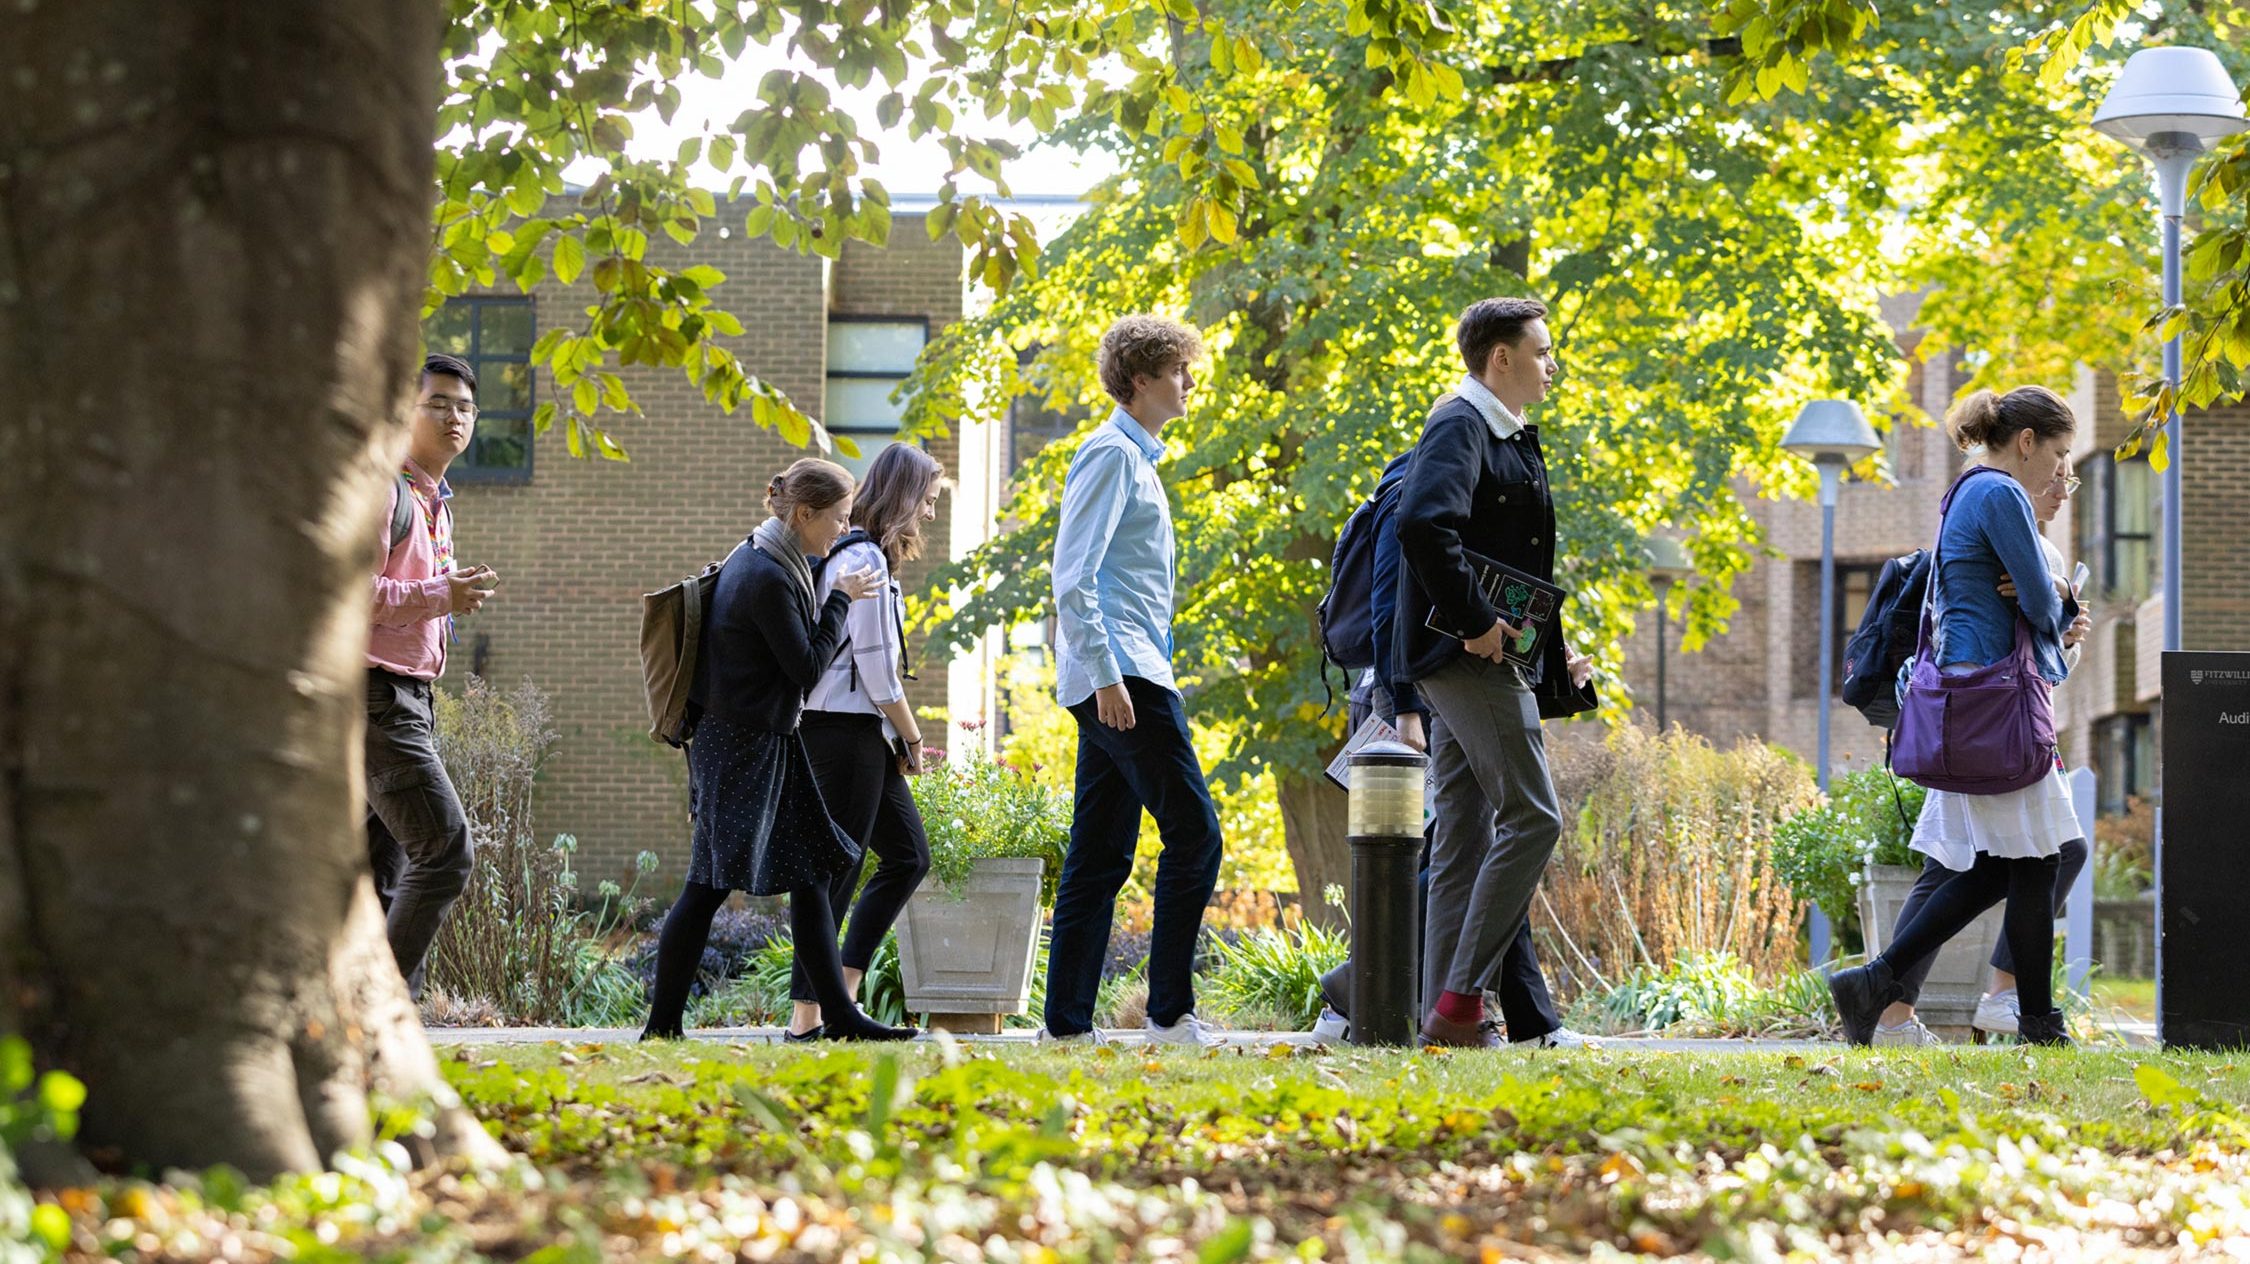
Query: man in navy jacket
[
  {"x": 1525, "y": 1003},
  {"x": 1479, "y": 485}
]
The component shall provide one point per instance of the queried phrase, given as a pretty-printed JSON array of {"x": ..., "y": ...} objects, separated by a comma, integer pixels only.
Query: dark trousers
[
  {"x": 687, "y": 929},
  {"x": 866, "y": 793},
  {"x": 2068, "y": 861},
  {"x": 1150, "y": 766},
  {"x": 417, "y": 833},
  {"x": 1520, "y": 985},
  {"x": 2028, "y": 926}
]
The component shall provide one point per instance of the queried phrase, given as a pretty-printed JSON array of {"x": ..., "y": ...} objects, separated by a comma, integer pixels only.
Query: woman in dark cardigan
[{"x": 760, "y": 823}]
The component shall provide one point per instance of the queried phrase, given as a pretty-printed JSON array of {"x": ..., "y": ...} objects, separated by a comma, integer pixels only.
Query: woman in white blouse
[
  {"x": 1998, "y": 1010},
  {"x": 859, "y": 732}
]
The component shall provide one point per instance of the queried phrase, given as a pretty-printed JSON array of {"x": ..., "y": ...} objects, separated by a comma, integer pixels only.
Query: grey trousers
[
  {"x": 417, "y": 831},
  {"x": 1497, "y": 820}
]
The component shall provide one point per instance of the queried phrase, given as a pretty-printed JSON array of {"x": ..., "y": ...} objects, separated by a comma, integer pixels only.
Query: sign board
[{"x": 2203, "y": 853}]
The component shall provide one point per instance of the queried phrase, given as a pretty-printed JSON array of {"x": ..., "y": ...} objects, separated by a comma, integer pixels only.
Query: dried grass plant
[{"x": 1667, "y": 854}]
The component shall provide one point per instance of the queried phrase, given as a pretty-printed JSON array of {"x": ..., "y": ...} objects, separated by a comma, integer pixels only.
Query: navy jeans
[{"x": 1150, "y": 766}]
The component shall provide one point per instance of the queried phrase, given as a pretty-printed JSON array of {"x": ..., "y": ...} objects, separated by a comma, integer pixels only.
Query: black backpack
[
  {"x": 403, "y": 508},
  {"x": 1347, "y": 612},
  {"x": 1884, "y": 639}
]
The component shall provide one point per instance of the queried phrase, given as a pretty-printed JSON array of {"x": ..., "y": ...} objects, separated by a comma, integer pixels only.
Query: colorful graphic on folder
[{"x": 1529, "y": 604}]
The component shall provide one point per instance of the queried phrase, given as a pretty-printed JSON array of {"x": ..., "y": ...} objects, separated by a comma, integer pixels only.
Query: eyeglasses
[
  {"x": 440, "y": 406},
  {"x": 2070, "y": 483}
]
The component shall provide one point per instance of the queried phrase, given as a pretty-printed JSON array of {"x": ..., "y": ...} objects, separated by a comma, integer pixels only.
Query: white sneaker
[
  {"x": 1911, "y": 1034},
  {"x": 1559, "y": 1038},
  {"x": 1998, "y": 1012},
  {"x": 1190, "y": 1030},
  {"x": 1095, "y": 1037},
  {"x": 1332, "y": 1029}
]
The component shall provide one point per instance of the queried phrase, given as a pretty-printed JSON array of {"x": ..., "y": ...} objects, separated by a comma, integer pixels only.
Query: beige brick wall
[
  {"x": 1758, "y": 679},
  {"x": 579, "y": 544}
]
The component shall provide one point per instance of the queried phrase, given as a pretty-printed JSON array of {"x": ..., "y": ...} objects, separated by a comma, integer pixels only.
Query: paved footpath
[
  {"x": 2134, "y": 1034},
  {"x": 486, "y": 1036}
]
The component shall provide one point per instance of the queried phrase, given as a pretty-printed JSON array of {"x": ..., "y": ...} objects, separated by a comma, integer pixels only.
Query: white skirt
[{"x": 2021, "y": 824}]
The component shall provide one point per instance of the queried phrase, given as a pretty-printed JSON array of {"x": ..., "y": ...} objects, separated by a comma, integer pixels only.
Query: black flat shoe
[
  {"x": 861, "y": 1027},
  {"x": 1861, "y": 994},
  {"x": 2043, "y": 1029},
  {"x": 804, "y": 1037}
]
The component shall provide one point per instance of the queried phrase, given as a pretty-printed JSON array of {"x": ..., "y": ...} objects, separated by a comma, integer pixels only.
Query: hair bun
[{"x": 1974, "y": 419}]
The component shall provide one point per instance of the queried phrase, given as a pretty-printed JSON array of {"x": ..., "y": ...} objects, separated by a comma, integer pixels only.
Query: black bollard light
[{"x": 1386, "y": 836}]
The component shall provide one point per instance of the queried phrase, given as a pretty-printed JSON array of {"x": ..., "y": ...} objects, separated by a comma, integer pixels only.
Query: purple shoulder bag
[{"x": 1990, "y": 731}]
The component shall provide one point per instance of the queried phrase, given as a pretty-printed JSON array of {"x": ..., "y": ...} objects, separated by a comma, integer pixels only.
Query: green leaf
[
  {"x": 60, "y": 1093},
  {"x": 1222, "y": 223},
  {"x": 570, "y": 258},
  {"x": 1229, "y": 1244},
  {"x": 586, "y": 396}
]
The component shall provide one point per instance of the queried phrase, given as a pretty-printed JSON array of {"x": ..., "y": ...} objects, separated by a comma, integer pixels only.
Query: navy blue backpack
[
  {"x": 1347, "y": 613},
  {"x": 1884, "y": 639}
]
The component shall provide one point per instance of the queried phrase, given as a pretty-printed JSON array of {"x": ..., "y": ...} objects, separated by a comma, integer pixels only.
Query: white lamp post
[
  {"x": 1832, "y": 434},
  {"x": 2172, "y": 104}
]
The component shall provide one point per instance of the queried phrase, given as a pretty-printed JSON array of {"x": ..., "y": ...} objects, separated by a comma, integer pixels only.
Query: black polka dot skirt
[{"x": 760, "y": 823}]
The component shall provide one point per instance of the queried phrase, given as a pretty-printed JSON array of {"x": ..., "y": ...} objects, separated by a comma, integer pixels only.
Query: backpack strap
[
  {"x": 1937, "y": 560},
  {"x": 402, "y": 511},
  {"x": 857, "y": 535}
]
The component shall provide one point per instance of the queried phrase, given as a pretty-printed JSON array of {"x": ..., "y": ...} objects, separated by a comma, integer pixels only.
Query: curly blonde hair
[{"x": 1143, "y": 346}]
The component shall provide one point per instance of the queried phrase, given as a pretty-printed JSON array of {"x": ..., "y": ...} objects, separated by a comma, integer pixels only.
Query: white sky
[{"x": 905, "y": 168}]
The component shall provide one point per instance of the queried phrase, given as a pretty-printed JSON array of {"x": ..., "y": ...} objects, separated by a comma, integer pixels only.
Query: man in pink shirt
[{"x": 417, "y": 833}]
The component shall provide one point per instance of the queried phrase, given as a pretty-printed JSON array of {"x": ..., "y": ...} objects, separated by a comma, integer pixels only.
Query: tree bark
[
  {"x": 1313, "y": 828},
  {"x": 214, "y": 230}
]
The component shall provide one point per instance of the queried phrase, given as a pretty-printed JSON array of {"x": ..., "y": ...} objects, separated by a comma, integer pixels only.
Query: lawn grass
[
  {"x": 2136, "y": 998},
  {"x": 702, "y": 1149}
]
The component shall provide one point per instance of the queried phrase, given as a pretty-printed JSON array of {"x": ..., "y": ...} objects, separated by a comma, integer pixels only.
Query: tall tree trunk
[
  {"x": 1312, "y": 826},
  {"x": 214, "y": 227}
]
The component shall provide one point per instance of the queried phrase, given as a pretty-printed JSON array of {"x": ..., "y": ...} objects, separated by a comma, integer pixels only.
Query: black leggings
[
  {"x": 687, "y": 928},
  {"x": 2028, "y": 885},
  {"x": 867, "y": 794},
  {"x": 2068, "y": 861}
]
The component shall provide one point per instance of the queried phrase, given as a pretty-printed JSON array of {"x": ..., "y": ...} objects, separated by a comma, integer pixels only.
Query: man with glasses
[{"x": 417, "y": 833}]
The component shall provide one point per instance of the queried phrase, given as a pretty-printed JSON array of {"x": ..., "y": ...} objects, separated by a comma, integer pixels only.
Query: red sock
[{"x": 1460, "y": 1007}]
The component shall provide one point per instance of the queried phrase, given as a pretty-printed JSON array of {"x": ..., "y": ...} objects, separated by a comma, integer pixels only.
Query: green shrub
[
  {"x": 1822, "y": 851},
  {"x": 975, "y": 808},
  {"x": 1275, "y": 974},
  {"x": 1713, "y": 994}
]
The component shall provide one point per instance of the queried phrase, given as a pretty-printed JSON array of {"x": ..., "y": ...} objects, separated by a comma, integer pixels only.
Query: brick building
[
  {"x": 1760, "y": 679},
  {"x": 577, "y": 541}
]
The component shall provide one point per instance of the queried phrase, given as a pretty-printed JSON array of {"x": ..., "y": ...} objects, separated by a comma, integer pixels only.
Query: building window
[
  {"x": 868, "y": 356},
  {"x": 2117, "y": 528},
  {"x": 2124, "y": 759},
  {"x": 494, "y": 334},
  {"x": 1855, "y": 583}
]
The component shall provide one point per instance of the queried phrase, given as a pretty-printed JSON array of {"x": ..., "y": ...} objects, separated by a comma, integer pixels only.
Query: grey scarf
[{"x": 780, "y": 543}]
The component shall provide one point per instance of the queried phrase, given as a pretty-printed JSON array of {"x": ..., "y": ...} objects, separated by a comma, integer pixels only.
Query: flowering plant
[
  {"x": 1823, "y": 852},
  {"x": 976, "y": 807}
]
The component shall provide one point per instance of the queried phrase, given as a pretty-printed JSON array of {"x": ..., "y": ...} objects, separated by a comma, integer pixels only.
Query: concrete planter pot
[
  {"x": 965, "y": 957},
  {"x": 1964, "y": 965}
]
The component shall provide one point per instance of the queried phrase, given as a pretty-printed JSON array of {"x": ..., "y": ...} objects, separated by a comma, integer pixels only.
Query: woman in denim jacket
[{"x": 1998, "y": 846}]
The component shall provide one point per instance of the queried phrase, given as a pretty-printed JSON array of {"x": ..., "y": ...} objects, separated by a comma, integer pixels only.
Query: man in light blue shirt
[{"x": 1113, "y": 670}]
